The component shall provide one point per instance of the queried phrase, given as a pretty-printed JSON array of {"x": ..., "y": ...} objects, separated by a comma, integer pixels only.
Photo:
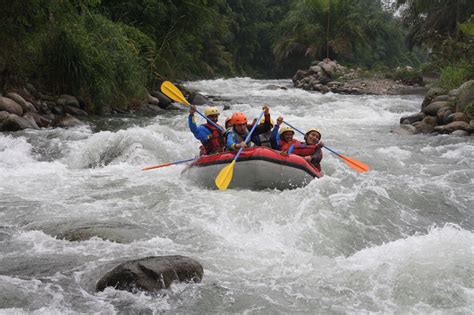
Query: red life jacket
[
  {"x": 215, "y": 143},
  {"x": 307, "y": 150},
  {"x": 285, "y": 146}
]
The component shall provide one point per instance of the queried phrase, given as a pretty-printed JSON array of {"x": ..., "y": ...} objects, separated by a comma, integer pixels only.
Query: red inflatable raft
[{"x": 256, "y": 168}]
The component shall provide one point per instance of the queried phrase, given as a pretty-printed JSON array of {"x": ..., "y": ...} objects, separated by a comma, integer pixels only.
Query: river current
[{"x": 398, "y": 239}]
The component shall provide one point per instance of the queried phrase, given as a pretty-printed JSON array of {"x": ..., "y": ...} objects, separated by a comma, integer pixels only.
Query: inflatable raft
[{"x": 257, "y": 168}]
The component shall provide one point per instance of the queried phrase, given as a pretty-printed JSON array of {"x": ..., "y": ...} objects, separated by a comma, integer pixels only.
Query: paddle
[
  {"x": 225, "y": 175},
  {"x": 167, "y": 164},
  {"x": 354, "y": 164},
  {"x": 170, "y": 90}
]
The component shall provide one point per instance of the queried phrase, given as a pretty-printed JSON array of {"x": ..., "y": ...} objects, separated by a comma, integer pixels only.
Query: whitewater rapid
[{"x": 398, "y": 239}]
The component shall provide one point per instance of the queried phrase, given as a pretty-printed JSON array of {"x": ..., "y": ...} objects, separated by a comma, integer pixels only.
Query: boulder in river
[
  {"x": 199, "y": 99},
  {"x": 152, "y": 273},
  {"x": 466, "y": 95},
  {"x": 433, "y": 108},
  {"x": 412, "y": 118},
  {"x": 19, "y": 100},
  {"x": 163, "y": 100},
  {"x": 66, "y": 121},
  {"x": 9, "y": 105},
  {"x": 16, "y": 123}
]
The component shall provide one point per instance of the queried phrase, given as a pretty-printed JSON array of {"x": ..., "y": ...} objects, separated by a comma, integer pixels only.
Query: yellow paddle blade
[
  {"x": 225, "y": 176},
  {"x": 356, "y": 165},
  {"x": 170, "y": 90}
]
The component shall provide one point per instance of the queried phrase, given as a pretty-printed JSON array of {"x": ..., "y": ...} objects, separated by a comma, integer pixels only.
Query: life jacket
[
  {"x": 313, "y": 150},
  {"x": 265, "y": 139},
  {"x": 305, "y": 150},
  {"x": 238, "y": 138},
  {"x": 215, "y": 143},
  {"x": 285, "y": 146}
]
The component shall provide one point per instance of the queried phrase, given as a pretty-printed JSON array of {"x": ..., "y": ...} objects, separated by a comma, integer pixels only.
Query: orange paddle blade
[{"x": 356, "y": 165}]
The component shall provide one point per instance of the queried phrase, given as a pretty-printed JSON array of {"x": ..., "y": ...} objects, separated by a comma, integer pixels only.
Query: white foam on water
[{"x": 346, "y": 243}]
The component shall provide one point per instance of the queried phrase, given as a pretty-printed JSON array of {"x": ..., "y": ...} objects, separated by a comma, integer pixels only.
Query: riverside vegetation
[{"x": 112, "y": 55}]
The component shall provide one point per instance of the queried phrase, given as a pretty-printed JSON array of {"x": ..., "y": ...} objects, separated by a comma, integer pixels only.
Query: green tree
[
  {"x": 358, "y": 32},
  {"x": 431, "y": 21}
]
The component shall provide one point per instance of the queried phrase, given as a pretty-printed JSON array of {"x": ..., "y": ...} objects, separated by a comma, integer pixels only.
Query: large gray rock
[
  {"x": 164, "y": 101},
  {"x": 3, "y": 115},
  {"x": 31, "y": 120},
  {"x": 460, "y": 133},
  {"x": 41, "y": 121},
  {"x": 152, "y": 273},
  {"x": 444, "y": 116},
  {"x": 430, "y": 120},
  {"x": 152, "y": 100},
  {"x": 458, "y": 116},
  {"x": 466, "y": 95},
  {"x": 199, "y": 99},
  {"x": 405, "y": 129},
  {"x": 30, "y": 108},
  {"x": 19, "y": 100},
  {"x": 315, "y": 69},
  {"x": 328, "y": 66},
  {"x": 455, "y": 125},
  {"x": 15, "y": 123},
  {"x": 443, "y": 98},
  {"x": 68, "y": 100},
  {"x": 66, "y": 121},
  {"x": 422, "y": 127},
  {"x": 300, "y": 74},
  {"x": 74, "y": 111},
  {"x": 431, "y": 94},
  {"x": 151, "y": 109},
  {"x": 9, "y": 105},
  {"x": 433, "y": 108},
  {"x": 412, "y": 118}
]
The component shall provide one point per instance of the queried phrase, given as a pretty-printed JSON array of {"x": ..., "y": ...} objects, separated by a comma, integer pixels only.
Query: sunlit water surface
[{"x": 394, "y": 240}]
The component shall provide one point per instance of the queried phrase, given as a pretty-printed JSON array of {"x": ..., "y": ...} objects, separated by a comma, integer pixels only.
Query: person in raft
[
  {"x": 265, "y": 137},
  {"x": 210, "y": 136},
  {"x": 240, "y": 129},
  {"x": 311, "y": 149},
  {"x": 282, "y": 138}
]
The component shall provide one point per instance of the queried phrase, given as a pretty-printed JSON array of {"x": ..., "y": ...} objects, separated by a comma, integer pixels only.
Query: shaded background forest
[{"x": 114, "y": 50}]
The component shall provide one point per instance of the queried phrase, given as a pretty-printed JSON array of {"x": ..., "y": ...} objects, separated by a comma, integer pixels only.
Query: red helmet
[{"x": 238, "y": 118}]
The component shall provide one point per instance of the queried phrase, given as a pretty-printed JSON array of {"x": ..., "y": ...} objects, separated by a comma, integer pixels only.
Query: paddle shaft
[
  {"x": 170, "y": 90},
  {"x": 249, "y": 135},
  {"x": 167, "y": 164},
  {"x": 210, "y": 121},
  {"x": 356, "y": 165}
]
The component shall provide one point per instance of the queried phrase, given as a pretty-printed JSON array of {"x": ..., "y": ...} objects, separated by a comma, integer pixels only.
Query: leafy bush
[
  {"x": 407, "y": 75},
  {"x": 105, "y": 63},
  {"x": 452, "y": 77}
]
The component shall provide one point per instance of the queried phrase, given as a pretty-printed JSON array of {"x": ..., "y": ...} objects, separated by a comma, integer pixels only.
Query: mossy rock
[
  {"x": 469, "y": 110},
  {"x": 466, "y": 95}
]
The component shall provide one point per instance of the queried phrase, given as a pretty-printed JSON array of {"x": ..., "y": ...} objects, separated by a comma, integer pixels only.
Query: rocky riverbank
[
  {"x": 444, "y": 111},
  {"x": 329, "y": 76},
  {"x": 23, "y": 107}
]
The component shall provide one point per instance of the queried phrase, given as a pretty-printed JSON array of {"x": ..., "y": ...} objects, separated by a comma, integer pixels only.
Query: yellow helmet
[
  {"x": 285, "y": 129},
  {"x": 313, "y": 129},
  {"x": 262, "y": 121},
  {"x": 210, "y": 110}
]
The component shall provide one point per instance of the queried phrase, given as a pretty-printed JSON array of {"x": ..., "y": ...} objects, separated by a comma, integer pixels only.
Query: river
[{"x": 397, "y": 239}]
